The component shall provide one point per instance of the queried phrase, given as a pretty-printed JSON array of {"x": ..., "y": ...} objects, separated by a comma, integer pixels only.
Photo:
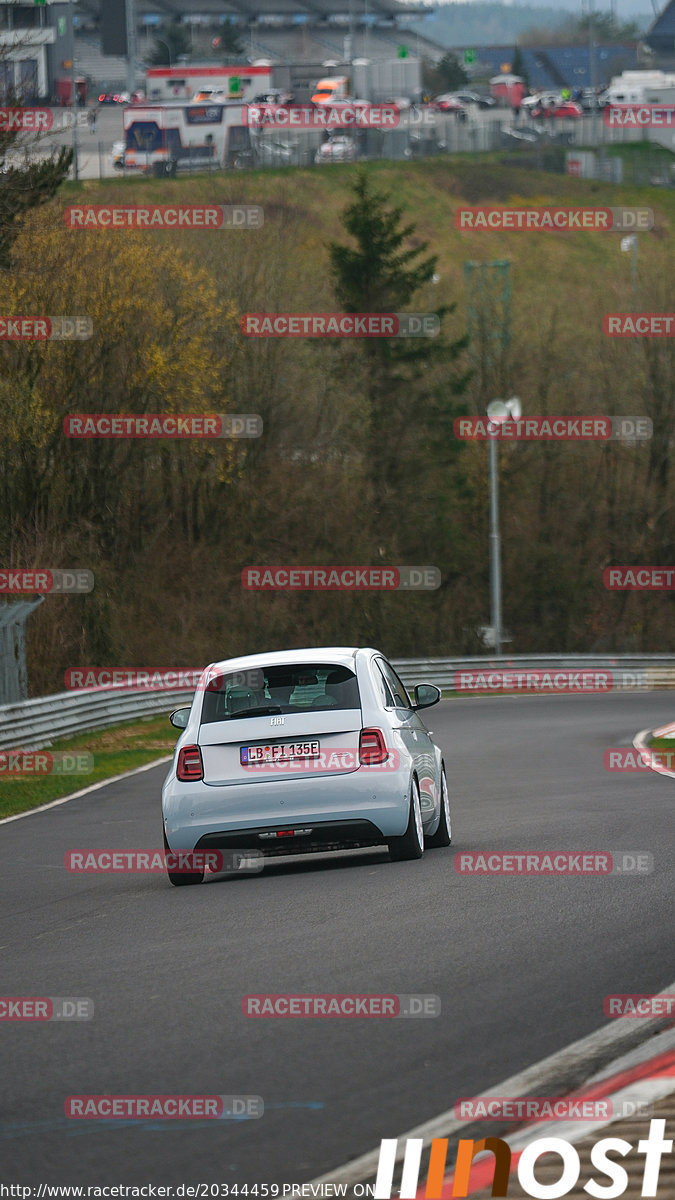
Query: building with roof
[
  {"x": 660, "y": 38},
  {"x": 40, "y": 42},
  {"x": 324, "y": 32},
  {"x": 35, "y": 49}
]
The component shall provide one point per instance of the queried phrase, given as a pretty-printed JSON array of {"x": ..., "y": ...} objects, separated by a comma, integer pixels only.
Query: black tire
[
  {"x": 443, "y": 835},
  {"x": 411, "y": 845},
  {"x": 182, "y": 878}
]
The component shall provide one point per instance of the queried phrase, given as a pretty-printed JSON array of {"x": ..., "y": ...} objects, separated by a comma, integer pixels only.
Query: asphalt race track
[{"x": 521, "y": 964}]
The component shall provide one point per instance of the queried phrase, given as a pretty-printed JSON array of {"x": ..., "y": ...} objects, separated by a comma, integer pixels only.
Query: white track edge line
[
  {"x": 640, "y": 743},
  {"x": 94, "y": 787},
  {"x": 647, "y": 1091},
  {"x": 541, "y": 1075}
]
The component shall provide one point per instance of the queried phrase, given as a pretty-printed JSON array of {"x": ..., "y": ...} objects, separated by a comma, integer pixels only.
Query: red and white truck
[
  {"x": 163, "y": 138},
  {"x": 182, "y": 83}
]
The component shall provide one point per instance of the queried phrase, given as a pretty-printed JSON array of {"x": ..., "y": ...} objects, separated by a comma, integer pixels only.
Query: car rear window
[{"x": 264, "y": 691}]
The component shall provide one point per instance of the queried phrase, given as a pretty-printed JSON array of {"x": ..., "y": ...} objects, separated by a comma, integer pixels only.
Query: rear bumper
[
  {"x": 370, "y": 804},
  {"x": 324, "y": 835}
]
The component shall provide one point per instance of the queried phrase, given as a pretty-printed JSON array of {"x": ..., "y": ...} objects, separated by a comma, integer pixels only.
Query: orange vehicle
[{"x": 328, "y": 90}]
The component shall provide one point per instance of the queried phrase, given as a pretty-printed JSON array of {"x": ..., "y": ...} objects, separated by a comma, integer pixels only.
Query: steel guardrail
[{"x": 36, "y": 724}]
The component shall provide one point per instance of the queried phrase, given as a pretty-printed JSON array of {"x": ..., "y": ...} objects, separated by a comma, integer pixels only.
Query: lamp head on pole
[{"x": 499, "y": 411}]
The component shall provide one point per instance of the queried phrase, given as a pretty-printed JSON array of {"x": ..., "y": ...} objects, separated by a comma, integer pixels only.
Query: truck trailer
[{"x": 163, "y": 138}]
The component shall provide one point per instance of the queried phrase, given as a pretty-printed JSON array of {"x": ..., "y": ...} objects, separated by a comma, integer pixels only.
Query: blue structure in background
[
  {"x": 661, "y": 35},
  {"x": 554, "y": 67}
]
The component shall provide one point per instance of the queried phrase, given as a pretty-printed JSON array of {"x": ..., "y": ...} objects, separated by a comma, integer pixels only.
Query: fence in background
[
  {"x": 13, "y": 675},
  {"x": 34, "y": 724}
]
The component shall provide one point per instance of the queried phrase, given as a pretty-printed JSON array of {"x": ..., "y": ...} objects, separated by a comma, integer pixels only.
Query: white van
[{"x": 640, "y": 87}]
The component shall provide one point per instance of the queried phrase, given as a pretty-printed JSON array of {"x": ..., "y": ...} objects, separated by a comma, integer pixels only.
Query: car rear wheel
[
  {"x": 181, "y": 878},
  {"x": 411, "y": 845},
  {"x": 443, "y": 835}
]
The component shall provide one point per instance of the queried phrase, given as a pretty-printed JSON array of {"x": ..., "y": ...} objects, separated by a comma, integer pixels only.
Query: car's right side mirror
[{"x": 426, "y": 694}]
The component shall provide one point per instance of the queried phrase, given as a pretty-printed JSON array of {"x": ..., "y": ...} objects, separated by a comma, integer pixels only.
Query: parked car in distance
[
  {"x": 539, "y": 100},
  {"x": 423, "y": 142},
  {"x": 336, "y": 149},
  {"x": 511, "y": 135},
  {"x": 564, "y": 108},
  {"x": 276, "y": 96},
  {"x": 268, "y": 151},
  {"x": 448, "y": 103},
  {"x": 590, "y": 100},
  {"x": 475, "y": 98}
]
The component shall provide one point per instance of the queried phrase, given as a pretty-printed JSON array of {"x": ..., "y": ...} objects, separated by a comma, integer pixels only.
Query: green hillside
[{"x": 170, "y": 525}]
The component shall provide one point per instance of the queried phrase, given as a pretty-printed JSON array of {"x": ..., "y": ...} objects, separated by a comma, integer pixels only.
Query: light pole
[
  {"x": 73, "y": 88},
  {"x": 631, "y": 243},
  {"x": 498, "y": 411},
  {"x": 591, "y": 69},
  {"x": 130, "y": 16}
]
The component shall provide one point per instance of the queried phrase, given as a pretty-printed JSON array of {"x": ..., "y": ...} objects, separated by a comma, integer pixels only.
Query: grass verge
[
  {"x": 666, "y": 749},
  {"x": 115, "y": 750}
]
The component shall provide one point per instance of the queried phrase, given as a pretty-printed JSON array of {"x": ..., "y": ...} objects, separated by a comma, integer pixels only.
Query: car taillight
[
  {"x": 189, "y": 764},
  {"x": 372, "y": 748}
]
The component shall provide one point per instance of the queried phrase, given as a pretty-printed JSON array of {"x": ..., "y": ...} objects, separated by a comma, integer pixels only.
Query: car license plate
[{"x": 287, "y": 752}]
